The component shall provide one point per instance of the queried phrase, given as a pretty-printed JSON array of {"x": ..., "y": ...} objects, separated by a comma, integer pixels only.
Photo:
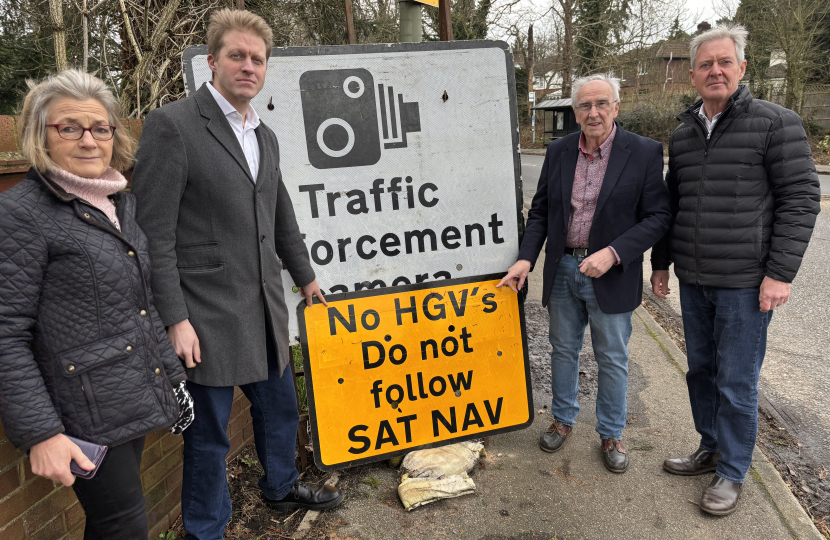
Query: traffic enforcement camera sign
[
  {"x": 393, "y": 370},
  {"x": 401, "y": 160}
]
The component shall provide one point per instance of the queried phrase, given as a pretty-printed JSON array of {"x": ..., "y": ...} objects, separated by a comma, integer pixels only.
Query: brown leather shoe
[
  {"x": 720, "y": 498},
  {"x": 554, "y": 438},
  {"x": 700, "y": 462},
  {"x": 614, "y": 456}
]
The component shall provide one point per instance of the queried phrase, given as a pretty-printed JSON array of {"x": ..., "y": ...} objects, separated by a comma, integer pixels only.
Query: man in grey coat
[{"x": 221, "y": 225}]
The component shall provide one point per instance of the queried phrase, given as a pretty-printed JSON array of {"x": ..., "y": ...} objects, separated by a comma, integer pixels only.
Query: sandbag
[
  {"x": 437, "y": 463},
  {"x": 416, "y": 492}
]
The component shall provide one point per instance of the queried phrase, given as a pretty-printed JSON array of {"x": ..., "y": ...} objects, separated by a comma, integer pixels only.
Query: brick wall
[{"x": 34, "y": 508}]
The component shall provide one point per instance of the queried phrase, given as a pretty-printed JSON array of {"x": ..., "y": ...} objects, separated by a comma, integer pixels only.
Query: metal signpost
[
  {"x": 391, "y": 371},
  {"x": 401, "y": 160},
  {"x": 532, "y": 97}
]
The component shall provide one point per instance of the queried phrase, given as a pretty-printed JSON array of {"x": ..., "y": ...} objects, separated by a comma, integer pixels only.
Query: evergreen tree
[{"x": 469, "y": 20}]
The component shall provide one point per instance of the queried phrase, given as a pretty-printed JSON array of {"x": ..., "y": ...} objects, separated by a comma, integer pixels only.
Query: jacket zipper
[
  {"x": 702, "y": 180},
  {"x": 110, "y": 228}
]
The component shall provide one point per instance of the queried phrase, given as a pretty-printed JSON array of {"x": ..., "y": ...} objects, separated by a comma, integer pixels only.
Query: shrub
[{"x": 649, "y": 122}]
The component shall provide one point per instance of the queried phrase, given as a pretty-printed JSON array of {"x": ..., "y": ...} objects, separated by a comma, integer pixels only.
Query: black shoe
[
  {"x": 702, "y": 461},
  {"x": 304, "y": 496},
  {"x": 614, "y": 456},
  {"x": 720, "y": 498},
  {"x": 553, "y": 439}
]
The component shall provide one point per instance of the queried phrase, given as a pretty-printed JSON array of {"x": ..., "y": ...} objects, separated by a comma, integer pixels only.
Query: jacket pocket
[
  {"x": 87, "y": 363},
  {"x": 201, "y": 257}
]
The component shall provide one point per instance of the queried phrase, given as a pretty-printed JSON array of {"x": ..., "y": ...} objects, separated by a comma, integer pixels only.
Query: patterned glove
[{"x": 185, "y": 407}]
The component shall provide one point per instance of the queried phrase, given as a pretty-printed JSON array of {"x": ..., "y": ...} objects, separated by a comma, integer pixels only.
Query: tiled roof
[{"x": 678, "y": 48}]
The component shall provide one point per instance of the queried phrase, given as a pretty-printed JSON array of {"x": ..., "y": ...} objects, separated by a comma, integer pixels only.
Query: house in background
[{"x": 650, "y": 73}]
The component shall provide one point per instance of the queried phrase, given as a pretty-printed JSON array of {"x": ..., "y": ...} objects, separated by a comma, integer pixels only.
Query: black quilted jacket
[
  {"x": 82, "y": 349},
  {"x": 744, "y": 199}
]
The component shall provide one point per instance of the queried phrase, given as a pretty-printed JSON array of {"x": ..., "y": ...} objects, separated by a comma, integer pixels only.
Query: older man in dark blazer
[
  {"x": 601, "y": 203},
  {"x": 221, "y": 225}
]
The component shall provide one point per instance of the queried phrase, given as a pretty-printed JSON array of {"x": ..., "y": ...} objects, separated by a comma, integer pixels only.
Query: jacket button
[
  {"x": 86, "y": 215},
  {"x": 70, "y": 369},
  {"x": 143, "y": 313},
  {"x": 129, "y": 348},
  {"x": 131, "y": 254},
  {"x": 158, "y": 371},
  {"x": 262, "y": 239}
]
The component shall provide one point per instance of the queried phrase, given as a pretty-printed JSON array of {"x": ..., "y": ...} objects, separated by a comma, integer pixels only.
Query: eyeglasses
[
  {"x": 601, "y": 105},
  {"x": 74, "y": 132}
]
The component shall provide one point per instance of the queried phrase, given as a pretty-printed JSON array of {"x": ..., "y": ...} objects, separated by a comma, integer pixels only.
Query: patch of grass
[
  {"x": 644, "y": 447},
  {"x": 371, "y": 481},
  {"x": 248, "y": 461},
  {"x": 297, "y": 355}
]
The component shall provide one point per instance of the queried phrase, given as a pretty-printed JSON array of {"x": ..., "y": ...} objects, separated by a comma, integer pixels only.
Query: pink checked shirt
[{"x": 590, "y": 171}]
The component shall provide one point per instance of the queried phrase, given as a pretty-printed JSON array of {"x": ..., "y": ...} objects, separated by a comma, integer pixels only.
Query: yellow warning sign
[
  {"x": 433, "y": 3},
  {"x": 392, "y": 370}
]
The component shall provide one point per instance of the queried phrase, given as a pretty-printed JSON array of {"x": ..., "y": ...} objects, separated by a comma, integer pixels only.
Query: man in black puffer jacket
[{"x": 745, "y": 196}]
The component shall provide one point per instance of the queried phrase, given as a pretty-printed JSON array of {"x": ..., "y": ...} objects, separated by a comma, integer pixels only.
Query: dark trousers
[
  {"x": 206, "y": 503},
  {"x": 113, "y": 499},
  {"x": 726, "y": 339}
]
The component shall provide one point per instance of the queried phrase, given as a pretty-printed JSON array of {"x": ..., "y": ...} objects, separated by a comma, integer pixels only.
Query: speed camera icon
[{"x": 349, "y": 120}]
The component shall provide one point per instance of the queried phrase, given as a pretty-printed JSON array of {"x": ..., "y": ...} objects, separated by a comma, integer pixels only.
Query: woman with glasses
[{"x": 84, "y": 357}]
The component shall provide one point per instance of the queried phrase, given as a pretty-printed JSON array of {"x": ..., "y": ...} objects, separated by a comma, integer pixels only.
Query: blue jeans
[
  {"x": 726, "y": 338},
  {"x": 206, "y": 503},
  {"x": 572, "y": 307}
]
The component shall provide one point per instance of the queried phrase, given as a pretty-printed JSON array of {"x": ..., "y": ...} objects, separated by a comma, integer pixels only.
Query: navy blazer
[{"x": 632, "y": 214}]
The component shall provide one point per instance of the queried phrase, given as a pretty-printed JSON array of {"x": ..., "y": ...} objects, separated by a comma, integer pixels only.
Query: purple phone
[{"x": 95, "y": 453}]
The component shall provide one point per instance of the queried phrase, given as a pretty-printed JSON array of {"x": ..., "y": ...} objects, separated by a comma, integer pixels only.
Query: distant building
[
  {"x": 558, "y": 118},
  {"x": 660, "y": 68}
]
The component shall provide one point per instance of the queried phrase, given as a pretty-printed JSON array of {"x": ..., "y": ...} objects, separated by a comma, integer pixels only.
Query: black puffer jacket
[
  {"x": 745, "y": 198},
  {"x": 82, "y": 349}
]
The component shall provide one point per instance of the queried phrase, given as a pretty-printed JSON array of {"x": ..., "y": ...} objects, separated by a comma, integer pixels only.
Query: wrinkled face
[
  {"x": 596, "y": 109},
  {"x": 239, "y": 66},
  {"x": 717, "y": 72},
  {"x": 86, "y": 156}
]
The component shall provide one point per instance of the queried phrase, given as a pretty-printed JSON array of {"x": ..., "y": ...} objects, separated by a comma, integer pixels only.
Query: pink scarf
[{"x": 95, "y": 191}]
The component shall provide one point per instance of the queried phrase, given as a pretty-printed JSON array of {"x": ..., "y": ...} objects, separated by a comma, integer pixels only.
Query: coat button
[
  {"x": 143, "y": 313},
  {"x": 158, "y": 371},
  {"x": 129, "y": 348},
  {"x": 86, "y": 215},
  {"x": 131, "y": 254},
  {"x": 70, "y": 369},
  {"x": 262, "y": 239}
]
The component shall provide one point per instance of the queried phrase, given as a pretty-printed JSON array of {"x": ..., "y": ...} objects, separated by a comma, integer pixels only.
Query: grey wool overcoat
[{"x": 218, "y": 240}]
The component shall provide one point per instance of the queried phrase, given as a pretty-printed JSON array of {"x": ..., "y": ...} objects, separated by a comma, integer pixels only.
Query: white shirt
[
  {"x": 710, "y": 125},
  {"x": 244, "y": 134}
]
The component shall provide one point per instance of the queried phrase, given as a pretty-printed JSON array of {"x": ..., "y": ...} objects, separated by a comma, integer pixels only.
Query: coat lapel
[
  {"x": 220, "y": 129},
  {"x": 616, "y": 164},
  {"x": 567, "y": 170},
  {"x": 264, "y": 156}
]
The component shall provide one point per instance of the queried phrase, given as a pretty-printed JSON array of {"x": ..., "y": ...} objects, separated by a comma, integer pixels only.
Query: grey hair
[
  {"x": 736, "y": 32},
  {"x": 613, "y": 82},
  {"x": 69, "y": 84}
]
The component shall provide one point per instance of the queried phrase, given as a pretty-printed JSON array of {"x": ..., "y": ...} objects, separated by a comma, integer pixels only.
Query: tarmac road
[{"x": 795, "y": 380}]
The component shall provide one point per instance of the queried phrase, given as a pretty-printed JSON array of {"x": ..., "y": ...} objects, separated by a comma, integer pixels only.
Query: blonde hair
[
  {"x": 226, "y": 20},
  {"x": 69, "y": 84}
]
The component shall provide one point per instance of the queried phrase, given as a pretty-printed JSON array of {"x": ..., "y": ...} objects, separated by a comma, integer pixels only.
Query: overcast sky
[{"x": 698, "y": 10}]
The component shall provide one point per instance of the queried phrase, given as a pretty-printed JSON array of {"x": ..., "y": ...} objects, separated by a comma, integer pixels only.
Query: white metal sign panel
[{"x": 401, "y": 160}]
